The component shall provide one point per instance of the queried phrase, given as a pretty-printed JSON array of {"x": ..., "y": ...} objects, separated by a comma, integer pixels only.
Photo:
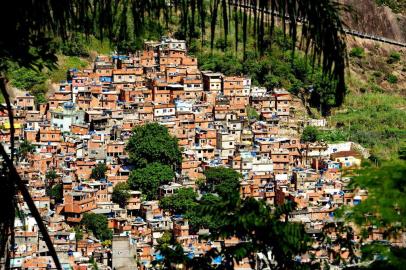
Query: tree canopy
[
  {"x": 223, "y": 181},
  {"x": 153, "y": 143},
  {"x": 99, "y": 172},
  {"x": 310, "y": 134},
  {"x": 148, "y": 179},
  {"x": 183, "y": 200},
  {"x": 25, "y": 148},
  {"x": 385, "y": 206},
  {"x": 56, "y": 192},
  {"x": 121, "y": 194},
  {"x": 98, "y": 225},
  {"x": 384, "y": 209}
]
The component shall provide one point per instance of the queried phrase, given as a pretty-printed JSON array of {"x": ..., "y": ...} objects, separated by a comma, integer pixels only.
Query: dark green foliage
[
  {"x": 98, "y": 225},
  {"x": 394, "y": 57},
  {"x": 183, "y": 200},
  {"x": 310, "y": 134},
  {"x": 24, "y": 149},
  {"x": 50, "y": 177},
  {"x": 384, "y": 256},
  {"x": 391, "y": 78},
  {"x": 25, "y": 79},
  {"x": 357, "y": 52},
  {"x": 152, "y": 143},
  {"x": 39, "y": 91},
  {"x": 402, "y": 151},
  {"x": 78, "y": 233},
  {"x": 252, "y": 113},
  {"x": 99, "y": 172},
  {"x": 75, "y": 45},
  {"x": 56, "y": 193},
  {"x": 385, "y": 206},
  {"x": 223, "y": 181},
  {"x": 197, "y": 217},
  {"x": 121, "y": 194},
  {"x": 148, "y": 179},
  {"x": 262, "y": 229},
  {"x": 333, "y": 135},
  {"x": 171, "y": 250}
]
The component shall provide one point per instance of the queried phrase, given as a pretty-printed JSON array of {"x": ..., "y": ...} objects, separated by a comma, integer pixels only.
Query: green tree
[
  {"x": 385, "y": 206},
  {"x": 99, "y": 172},
  {"x": 148, "y": 179},
  {"x": 385, "y": 209},
  {"x": 183, "y": 200},
  {"x": 121, "y": 194},
  {"x": 223, "y": 181},
  {"x": 25, "y": 79},
  {"x": 261, "y": 228},
  {"x": 78, "y": 233},
  {"x": 56, "y": 192},
  {"x": 50, "y": 177},
  {"x": 153, "y": 143},
  {"x": 198, "y": 218},
  {"x": 98, "y": 225},
  {"x": 75, "y": 45},
  {"x": 24, "y": 149},
  {"x": 310, "y": 134},
  {"x": 170, "y": 250},
  {"x": 252, "y": 113}
]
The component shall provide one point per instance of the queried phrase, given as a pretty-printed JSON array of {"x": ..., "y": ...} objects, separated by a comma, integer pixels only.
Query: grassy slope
[
  {"x": 374, "y": 113},
  {"x": 93, "y": 46}
]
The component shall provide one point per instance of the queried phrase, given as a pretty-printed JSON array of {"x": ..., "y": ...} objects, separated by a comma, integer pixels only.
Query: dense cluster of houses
[{"x": 219, "y": 121}]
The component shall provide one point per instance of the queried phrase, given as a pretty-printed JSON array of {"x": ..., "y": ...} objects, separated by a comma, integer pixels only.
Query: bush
[
  {"x": 121, "y": 194},
  {"x": 310, "y": 134},
  {"x": 392, "y": 79},
  {"x": 357, "y": 52},
  {"x": 75, "y": 46},
  {"x": 25, "y": 78},
  {"x": 393, "y": 57}
]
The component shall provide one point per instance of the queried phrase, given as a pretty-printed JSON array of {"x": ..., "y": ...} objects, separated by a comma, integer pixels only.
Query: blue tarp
[
  {"x": 217, "y": 260},
  {"x": 159, "y": 257}
]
